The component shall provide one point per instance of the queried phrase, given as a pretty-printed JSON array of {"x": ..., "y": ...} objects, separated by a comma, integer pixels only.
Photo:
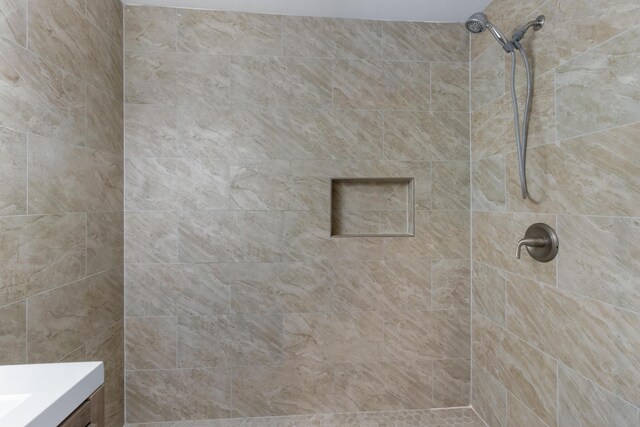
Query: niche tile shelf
[{"x": 372, "y": 207}]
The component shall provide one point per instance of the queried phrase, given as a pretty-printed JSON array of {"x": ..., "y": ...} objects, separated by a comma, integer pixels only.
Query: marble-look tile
[
  {"x": 287, "y": 389},
  {"x": 13, "y": 172},
  {"x": 359, "y": 222},
  {"x": 489, "y": 292},
  {"x": 450, "y": 86},
  {"x": 596, "y": 174},
  {"x": 495, "y": 236},
  {"x": 229, "y": 33},
  {"x": 519, "y": 415},
  {"x": 13, "y": 20},
  {"x": 450, "y": 186},
  {"x": 151, "y": 342},
  {"x": 371, "y": 84},
  {"x": 40, "y": 253},
  {"x": 492, "y": 125},
  {"x": 175, "y": 290},
  {"x": 69, "y": 178},
  {"x": 424, "y": 41},
  {"x": 263, "y": 186},
  {"x": 584, "y": 403},
  {"x": 33, "y": 88},
  {"x": 575, "y": 23},
  {"x": 526, "y": 372},
  {"x": 307, "y": 234},
  {"x": 489, "y": 188},
  {"x": 104, "y": 241},
  {"x": 278, "y": 287},
  {"x": 104, "y": 122},
  {"x": 332, "y": 38},
  {"x": 267, "y": 81},
  {"x": 150, "y": 28},
  {"x": 439, "y": 235},
  {"x": 107, "y": 15},
  {"x": 426, "y": 136},
  {"x": 60, "y": 320},
  {"x": 228, "y": 133},
  {"x": 489, "y": 397},
  {"x": 488, "y": 77},
  {"x": 450, "y": 285},
  {"x": 151, "y": 237},
  {"x": 176, "y": 183},
  {"x": 376, "y": 196},
  {"x": 203, "y": 79},
  {"x": 13, "y": 334},
  {"x": 151, "y": 130},
  {"x": 382, "y": 286},
  {"x": 105, "y": 63},
  {"x": 209, "y": 236},
  {"x": 451, "y": 383},
  {"x": 150, "y": 78},
  {"x": 614, "y": 242},
  {"x": 578, "y": 331},
  {"x": 184, "y": 394},
  {"x": 247, "y": 340},
  {"x": 333, "y": 337},
  {"x": 426, "y": 335},
  {"x": 600, "y": 89},
  {"x": 381, "y": 386}
]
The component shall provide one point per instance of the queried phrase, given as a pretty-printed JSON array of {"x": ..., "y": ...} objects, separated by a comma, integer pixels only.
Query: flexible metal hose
[{"x": 521, "y": 131}]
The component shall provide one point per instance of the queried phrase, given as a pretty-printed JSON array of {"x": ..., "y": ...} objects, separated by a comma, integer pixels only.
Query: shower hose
[{"x": 521, "y": 131}]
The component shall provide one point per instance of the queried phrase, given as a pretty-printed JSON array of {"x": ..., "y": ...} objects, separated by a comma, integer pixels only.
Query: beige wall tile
[
  {"x": 450, "y": 186},
  {"x": 426, "y": 136},
  {"x": 40, "y": 253},
  {"x": 13, "y": 20},
  {"x": 104, "y": 241},
  {"x": 613, "y": 243},
  {"x": 266, "y": 185},
  {"x": 104, "y": 121},
  {"x": 578, "y": 332},
  {"x": 13, "y": 172},
  {"x": 13, "y": 334},
  {"x": 489, "y": 292},
  {"x": 423, "y": 41},
  {"x": 208, "y": 236},
  {"x": 151, "y": 342},
  {"x": 151, "y": 130},
  {"x": 150, "y": 28},
  {"x": 178, "y": 394},
  {"x": 450, "y": 284},
  {"x": 287, "y": 389},
  {"x": 488, "y": 184},
  {"x": 519, "y": 415},
  {"x": 151, "y": 237},
  {"x": 488, "y": 76},
  {"x": 596, "y": 91},
  {"x": 332, "y": 38},
  {"x": 69, "y": 178},
  {"x": 229, "y": 33},
  {"x": 175, "y": 290},
  {"x": 450, "y": 86},
  {"x": 150, "y": 78},
  {"x": 595, "y": 175},
  {"x": 451, "y": 383},
  {"x": 494, "y": 240},
  {"x": 526, "y": 372},
  {"x": 60, "y": 320},
  {"x": 489, "y": 397},
  {"x": 107, "y": 16},
  {"x": 406, "y": 338},
  {"x": 382, "y": 386},
  {"x": 581, "y": 401}
]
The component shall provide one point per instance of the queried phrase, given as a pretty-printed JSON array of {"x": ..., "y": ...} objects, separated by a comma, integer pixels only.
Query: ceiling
[{"x": 392, "y": 10}]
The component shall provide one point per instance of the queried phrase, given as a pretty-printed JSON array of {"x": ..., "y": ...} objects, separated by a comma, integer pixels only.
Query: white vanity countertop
[{"x": 44, "y": 395}]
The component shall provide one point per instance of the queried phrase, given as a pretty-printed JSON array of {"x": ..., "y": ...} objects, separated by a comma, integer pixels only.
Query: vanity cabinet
[{"x": 89, "y": 414}]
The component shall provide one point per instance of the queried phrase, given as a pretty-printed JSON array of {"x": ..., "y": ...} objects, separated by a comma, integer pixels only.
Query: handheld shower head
[{"x": 478, "y": 23}]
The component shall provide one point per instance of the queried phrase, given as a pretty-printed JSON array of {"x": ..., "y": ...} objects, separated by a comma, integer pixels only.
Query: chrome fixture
[
  {"x": 541, "y": 242},
  {"x": 478, "y": 23}
]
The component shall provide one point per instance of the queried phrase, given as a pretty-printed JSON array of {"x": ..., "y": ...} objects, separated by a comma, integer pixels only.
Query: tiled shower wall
[
  {"x": 557, "y": 344},
  {"x": 238, "y": 303},
  {"x": 61, "y": 287}
]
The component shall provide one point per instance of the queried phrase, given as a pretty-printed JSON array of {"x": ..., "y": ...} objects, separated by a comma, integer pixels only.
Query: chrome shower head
[{"x": 477, "y": 23}]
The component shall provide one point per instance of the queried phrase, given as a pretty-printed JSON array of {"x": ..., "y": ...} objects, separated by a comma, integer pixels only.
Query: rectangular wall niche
[{"x": 367, "y": 207}]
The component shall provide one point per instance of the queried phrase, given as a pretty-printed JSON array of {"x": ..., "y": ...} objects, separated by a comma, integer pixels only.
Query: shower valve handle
[
  {"x": 541, "y": 242},
  {"x": 532, "y": 242}
]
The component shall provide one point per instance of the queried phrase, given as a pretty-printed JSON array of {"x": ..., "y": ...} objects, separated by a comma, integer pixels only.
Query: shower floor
[{"x": 453, "y": 417}]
